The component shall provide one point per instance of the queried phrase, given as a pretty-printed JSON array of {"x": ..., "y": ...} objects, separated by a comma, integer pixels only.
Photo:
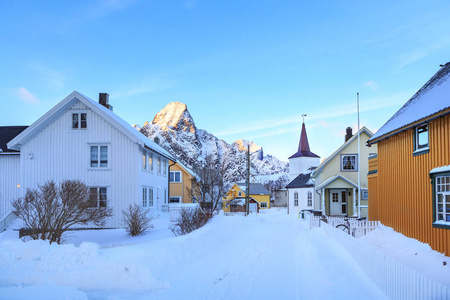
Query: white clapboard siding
[
  {"x": 9, "y": 181},
  {"x": 59, "y": 152}
]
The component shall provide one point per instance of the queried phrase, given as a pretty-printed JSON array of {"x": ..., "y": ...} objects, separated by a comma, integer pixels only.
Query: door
[
  {"x": 253, "y": 207},
  {"x": 338, "y": 202}
]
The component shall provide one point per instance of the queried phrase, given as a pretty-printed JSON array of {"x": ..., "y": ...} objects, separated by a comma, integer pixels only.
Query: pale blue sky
[{"x": 245, "y": 69}]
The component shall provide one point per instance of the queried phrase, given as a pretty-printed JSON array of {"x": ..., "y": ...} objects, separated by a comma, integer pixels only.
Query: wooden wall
[{"x": 400, "y": 194}]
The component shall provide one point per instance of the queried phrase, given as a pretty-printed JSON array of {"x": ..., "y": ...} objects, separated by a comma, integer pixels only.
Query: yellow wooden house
[
  {"x": 234, "y": 201},
  {"x": 409, "y": 180},
  {"x": 181, "y": 180}
]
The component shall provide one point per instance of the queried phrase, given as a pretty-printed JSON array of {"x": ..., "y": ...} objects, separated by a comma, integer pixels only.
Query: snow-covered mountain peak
[
  {"x": 175, "y": 117},
  {"x": 242, "y": 145}
]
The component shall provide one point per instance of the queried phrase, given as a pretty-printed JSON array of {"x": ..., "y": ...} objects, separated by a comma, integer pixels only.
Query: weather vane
[{"x": 303, "y": 116}]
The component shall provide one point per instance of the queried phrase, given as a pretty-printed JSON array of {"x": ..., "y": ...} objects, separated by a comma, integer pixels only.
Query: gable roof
[
  {"x": 432, "y": 98},
  {"x": 189, "y": 171},
  {"x": 7, "y": 133},
  {"x": 339, "y": 150},
  {"x": 303, "y": 145},
  {"x": 301, "y": 181},
  {"x": 107, "y": 114},
  {"x": 255, "y": 188},
  {"x": 333, "y": 179}
]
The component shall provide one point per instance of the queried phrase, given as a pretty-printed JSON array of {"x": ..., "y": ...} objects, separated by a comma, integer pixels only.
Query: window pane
[
  {"x": 83, "y": 121},
  {"x": 93, "y": 197},
  {"x": 74, "y": 120},
  {"x": 144, "y": 197},
  {"x": 422, "y": 136},
  {"x": 150, "y": 161},
  {"x": 102, "y": 198},
  {"x": 177, "y": 177},
  {"x": 150, "y": 198},
  {"x": 94, "y": 156},
  {"x": 174, "y": 200},
  {"x": 103, "y": 156},
  {"x": 144, "y": 161},
  {"x": 172, "y": 176}
]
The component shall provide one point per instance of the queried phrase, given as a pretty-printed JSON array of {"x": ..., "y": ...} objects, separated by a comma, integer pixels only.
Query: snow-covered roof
[
  {"x": 7, "y": 133},
  {"x": 255, "y": 188},
  {"x": 301, "y": 181},
  {"x": 187, "y": 169},
  {"x": 106, "y": 113},
  {"x": 432, "y": 98},
  {"x": 335, "y": 153},
  {"x": 440, "y": 169}
]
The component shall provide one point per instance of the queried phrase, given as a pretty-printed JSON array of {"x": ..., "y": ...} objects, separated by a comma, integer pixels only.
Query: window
[
  {"x": 150, "y": 162},
  {"x": 144, "y": 160},
  {"x": 421, "y": 137},
  {"x": 349, "y": 162},
  {"x": 309, "y": 199},
  {"x": 165, "y": 167},
  {"x": 144, "y": 197},
  {"x": 98, "y": 196},
  {"x": 335, "y": 197},
  {"x": 99, "y": 156},
  {"x": 158, "y": 165},
  {"x": 364, "y": 194},
  {"x": 263, "y": 205},
  {"x": 442, "y": 200},
  {"x": 295, "y": 199},
  {"x": 165, "y": 196},
  {"x": 79, "y": 121},
  {"x": 239, "y": 193},
  {"x": 174, "y": 199},
  {"x": 150, "y": 197},
  {"x": 175, "y": 176}
]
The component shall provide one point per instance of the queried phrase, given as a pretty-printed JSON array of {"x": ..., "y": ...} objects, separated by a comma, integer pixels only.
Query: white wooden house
[{"x": 83, "y": 139}]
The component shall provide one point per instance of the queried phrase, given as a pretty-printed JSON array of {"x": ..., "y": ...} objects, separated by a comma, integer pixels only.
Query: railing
[
  {"x": 395, "y": 279},
  {"x": 6, "y": 220},
  {"x": 358, "y": 228},
  {"x": 175, "y": 209}
]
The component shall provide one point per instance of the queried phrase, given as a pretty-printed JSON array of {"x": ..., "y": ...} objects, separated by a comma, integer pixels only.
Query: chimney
[
  {"x": 103, "y": 99},
  {"x": 349, "y": 134}
]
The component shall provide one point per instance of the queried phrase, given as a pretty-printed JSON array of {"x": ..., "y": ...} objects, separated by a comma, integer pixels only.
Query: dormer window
[{"x": 79, "y": 121}]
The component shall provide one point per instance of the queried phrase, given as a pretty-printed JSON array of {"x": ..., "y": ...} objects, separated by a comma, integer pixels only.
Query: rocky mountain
[{"x": 175, "y": 130}]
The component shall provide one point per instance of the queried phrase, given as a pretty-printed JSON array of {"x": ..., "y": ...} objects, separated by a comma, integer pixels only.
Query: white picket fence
[
  {"x": 395, "y": 279},
  {"x": 357, "y": 228},
  {"x": 175, "y": 210}
]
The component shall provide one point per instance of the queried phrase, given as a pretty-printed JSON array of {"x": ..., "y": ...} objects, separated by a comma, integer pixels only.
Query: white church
[{"x": 301, "y": 187}]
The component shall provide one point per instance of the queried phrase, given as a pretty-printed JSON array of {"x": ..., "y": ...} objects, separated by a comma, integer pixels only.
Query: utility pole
[
  {"x": 247, "y": 191},
  {"x": 359, "y": 162}
]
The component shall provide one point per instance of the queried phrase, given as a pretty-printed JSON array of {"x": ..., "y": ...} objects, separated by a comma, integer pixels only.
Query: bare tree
[
  {"x": 209, "y": 187},
  {"x": 51, "y": 210},
  {"x": 136, "y": 220},
  {"x": 189, "y": 220}
]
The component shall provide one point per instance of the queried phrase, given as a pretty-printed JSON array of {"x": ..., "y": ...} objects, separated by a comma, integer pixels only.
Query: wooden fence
[
  {"x": 357, "y": 228},
  {"x": 395, "y": 279},
  {"x": 175, "y": 210}
]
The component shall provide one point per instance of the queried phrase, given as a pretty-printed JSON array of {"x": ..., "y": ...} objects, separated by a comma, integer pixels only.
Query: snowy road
[{"x": 267, "y": 256}]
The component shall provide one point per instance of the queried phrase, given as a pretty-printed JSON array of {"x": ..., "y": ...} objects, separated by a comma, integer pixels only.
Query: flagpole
[{"x": 359, "y": 162}]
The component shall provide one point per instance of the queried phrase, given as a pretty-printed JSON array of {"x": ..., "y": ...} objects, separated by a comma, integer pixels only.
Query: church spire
[{"x": 303, "y": 145}]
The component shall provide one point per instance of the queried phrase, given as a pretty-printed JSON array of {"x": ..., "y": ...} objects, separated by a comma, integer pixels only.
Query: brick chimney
[
  {"x": 103, "y": 99},
  {"x": 349, "y": 134}
]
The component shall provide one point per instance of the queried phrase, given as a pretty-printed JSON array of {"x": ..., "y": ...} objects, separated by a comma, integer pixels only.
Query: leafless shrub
[
  {"x": 136, "y": 220},
  {"x": 190, "y": 219},
  {"x": 50, "y": 210}
]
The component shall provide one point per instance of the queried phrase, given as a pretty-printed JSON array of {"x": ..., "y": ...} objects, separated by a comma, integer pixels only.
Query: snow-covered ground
[{"x": 266, "y": 256}]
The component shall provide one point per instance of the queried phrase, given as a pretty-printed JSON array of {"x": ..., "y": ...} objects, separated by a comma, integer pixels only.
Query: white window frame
[
  {"x": 442, "y": 190},
  {"x": 158, "y": 165},
  {"x": 99, "y": 160},
  {"x": 309, "y": 197},
  {"x": 295, "y": 199},
  {"x": 173, "y": 197},
  {"x": 239, "y": 193},
  {"x": 343, "y": 156},
  {"x": 417, "y": 132},
  {"x": 100, "y": 190},
  {"x": 151, "y": 197},
  {"x": 144, "y": 160},
  {"x": 263, "y": 204},
  {"x": 144, "y": 196},
  {"x": 164, "y": 167},
  {"x": 174, "y": 177},
  {"x": 364, "y": 194},
  {"x": 150, "y": 161},
  {"x": 79, "y": 121}
]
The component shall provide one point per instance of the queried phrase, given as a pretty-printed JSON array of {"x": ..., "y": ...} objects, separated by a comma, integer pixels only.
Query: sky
[{"x": 245, "y": 69}]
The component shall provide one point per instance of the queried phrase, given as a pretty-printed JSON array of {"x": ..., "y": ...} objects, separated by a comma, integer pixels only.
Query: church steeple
[{"x": 303, "y": 145}]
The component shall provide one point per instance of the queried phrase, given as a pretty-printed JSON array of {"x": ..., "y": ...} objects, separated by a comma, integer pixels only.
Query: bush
[
  {"x": 136, "y": 220},
  {"x": 51, "y": 210},
  {"x": 190, "y": 219}
]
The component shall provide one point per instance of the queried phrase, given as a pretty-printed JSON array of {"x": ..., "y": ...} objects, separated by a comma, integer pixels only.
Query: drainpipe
[{"x": 168, "y": 183}]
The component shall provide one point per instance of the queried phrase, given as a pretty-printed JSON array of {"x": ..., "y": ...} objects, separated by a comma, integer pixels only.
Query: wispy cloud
[
  {"x": 25, "y": 96},
  {"x": 145, "y": 86},
  {"x": 319, "y": 115},
  {"x": 52, "y": 78},
  {"x": 373, "y": 85},
  {"x": 412, "y": 57}
]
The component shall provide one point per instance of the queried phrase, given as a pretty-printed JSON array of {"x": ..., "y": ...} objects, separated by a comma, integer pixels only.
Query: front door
[
  {"x": 338, "y": 202},
  {"x": 253, "y": 207}
]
